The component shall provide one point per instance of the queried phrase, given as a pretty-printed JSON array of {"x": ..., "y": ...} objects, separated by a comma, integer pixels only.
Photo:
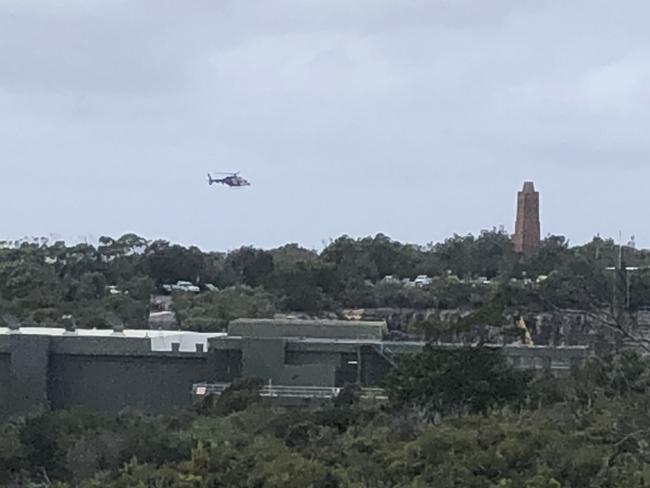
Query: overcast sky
[{"x": 417, "y": 119}]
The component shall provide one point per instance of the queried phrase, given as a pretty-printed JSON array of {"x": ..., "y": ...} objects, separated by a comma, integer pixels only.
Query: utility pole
[
  {"x": 621, "y": 283},
  {"x": 618, "y": 305}
]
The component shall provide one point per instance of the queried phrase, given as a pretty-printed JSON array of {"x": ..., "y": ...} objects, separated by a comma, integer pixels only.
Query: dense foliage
[
  {"x": 511, "y": 430},
  {"x": 464, "y": 380},
  {"x": 40, "y": 282}
]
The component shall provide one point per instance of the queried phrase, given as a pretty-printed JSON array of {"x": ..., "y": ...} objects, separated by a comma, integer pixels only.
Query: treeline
[
  {"x": 461, "y": 418},
  {"x": 41, "y": 282}
]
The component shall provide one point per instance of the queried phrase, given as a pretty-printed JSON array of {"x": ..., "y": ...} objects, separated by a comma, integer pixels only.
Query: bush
[
  {"x": 465, "y": 380},
  {"x": 237, "y": 397}
]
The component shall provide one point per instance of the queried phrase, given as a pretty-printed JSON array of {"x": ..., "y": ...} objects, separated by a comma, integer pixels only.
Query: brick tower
[{"x": 527, "y": 228}]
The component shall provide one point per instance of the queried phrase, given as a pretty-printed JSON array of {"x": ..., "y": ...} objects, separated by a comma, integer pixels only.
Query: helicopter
[{"x": 233, "y": 180}]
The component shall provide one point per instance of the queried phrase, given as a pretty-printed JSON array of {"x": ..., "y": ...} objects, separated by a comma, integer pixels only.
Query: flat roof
[
  {"x": 161, "y": 340},
  {"x": 316, "y": 322},
  {"x": 326, "y": 329}
]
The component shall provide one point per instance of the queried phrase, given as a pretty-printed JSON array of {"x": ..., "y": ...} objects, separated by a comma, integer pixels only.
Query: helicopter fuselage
[{"x": 233, "y": 181}]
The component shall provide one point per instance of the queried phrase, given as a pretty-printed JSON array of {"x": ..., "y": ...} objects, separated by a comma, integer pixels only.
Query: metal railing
[{"x": 276, "y": 391}]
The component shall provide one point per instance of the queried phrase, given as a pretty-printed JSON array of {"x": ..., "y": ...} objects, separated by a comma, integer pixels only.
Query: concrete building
[
  {"x": 155, "y": 370},
  {"x": 527, "y": 227}
]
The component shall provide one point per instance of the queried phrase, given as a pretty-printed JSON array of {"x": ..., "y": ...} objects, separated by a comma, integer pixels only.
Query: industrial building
[{"x": 107, "y": 370}]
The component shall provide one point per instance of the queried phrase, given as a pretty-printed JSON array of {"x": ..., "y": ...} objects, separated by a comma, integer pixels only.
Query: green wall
[
  {"x": 112, "y": 383},
  {"x": 324, "y": 329},
  {"x": 28, "y": 373},
  {"x": 113, "y": 373},
  {"x": 225, "y": 366},
  {"x": 5, "y": 385},
  {"x": 267, "y": 359}
]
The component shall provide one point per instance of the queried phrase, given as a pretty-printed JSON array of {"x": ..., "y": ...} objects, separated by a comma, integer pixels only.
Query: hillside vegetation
[
  {"x": 462, "y": 419},
  {"x": 41, "y": 282}
]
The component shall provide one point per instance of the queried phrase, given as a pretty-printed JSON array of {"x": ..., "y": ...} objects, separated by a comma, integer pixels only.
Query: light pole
[{"x": 624, "y": 270}]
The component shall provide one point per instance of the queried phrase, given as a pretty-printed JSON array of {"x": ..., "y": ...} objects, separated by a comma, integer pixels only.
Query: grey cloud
[{"x": 417, "y": 119}]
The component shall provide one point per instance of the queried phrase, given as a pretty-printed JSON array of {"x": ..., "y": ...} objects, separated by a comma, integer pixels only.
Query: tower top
[
  {"x": 527, "y": 227},
  {"x": 529, "y": 187}
]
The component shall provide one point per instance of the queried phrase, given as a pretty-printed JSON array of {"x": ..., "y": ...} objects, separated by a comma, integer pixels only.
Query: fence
[{"x": 276, "y": 391}]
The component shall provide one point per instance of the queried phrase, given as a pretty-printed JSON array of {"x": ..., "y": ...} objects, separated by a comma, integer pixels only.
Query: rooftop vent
[
  {"x": 69, "y": 323},
  {"x": 13, "y": 324},
  {"x": 116, "y": 323}
]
